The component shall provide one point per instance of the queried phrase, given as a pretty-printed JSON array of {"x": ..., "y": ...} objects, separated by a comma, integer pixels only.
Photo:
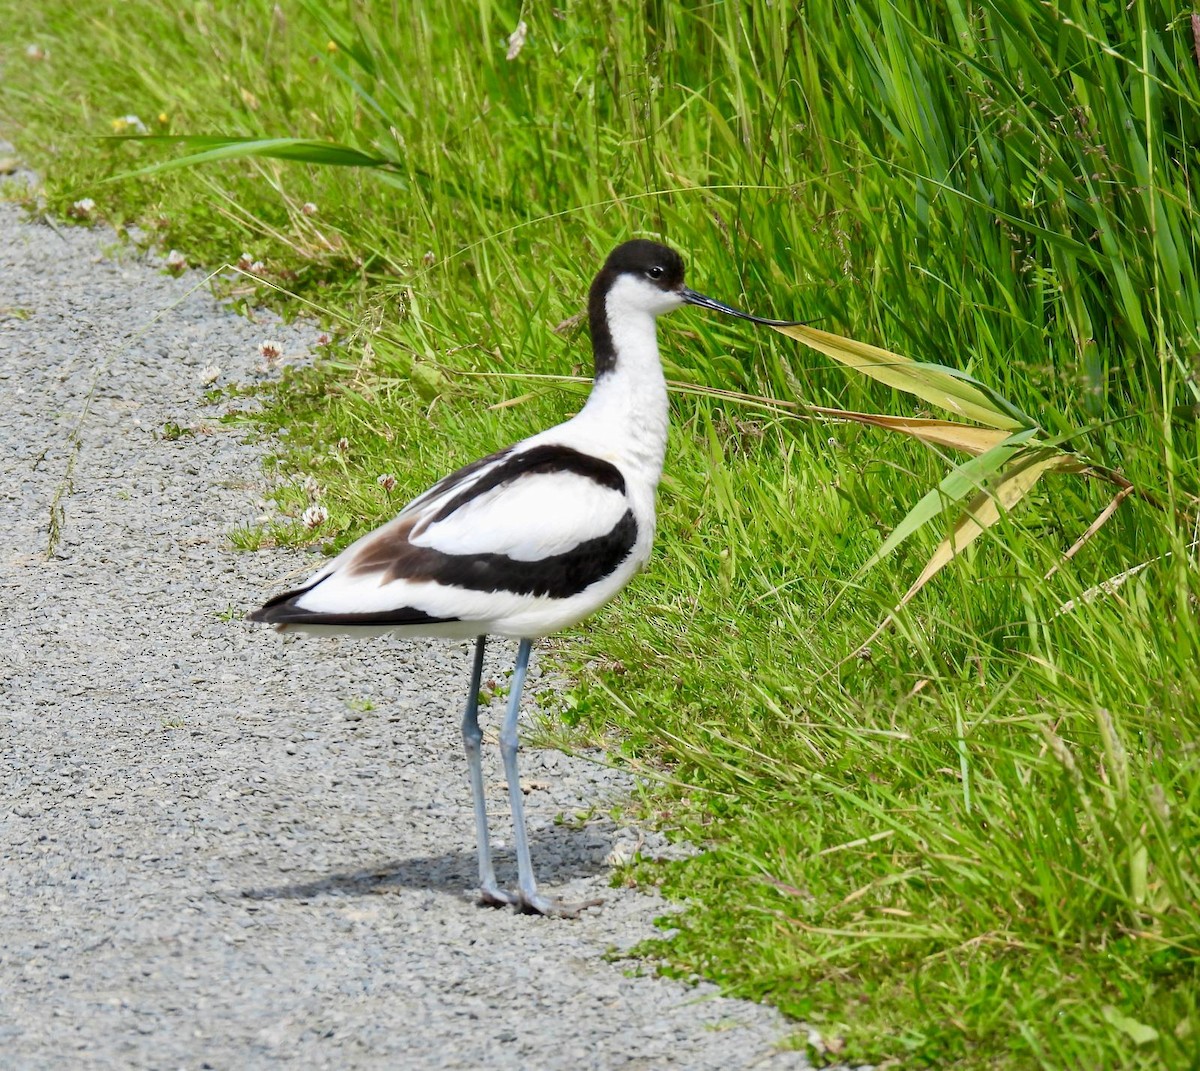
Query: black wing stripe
[
  {"x": 286, "y": 612},
  {"x": 458, "y": 476},
  {"x": 559, "y": 576},
  {"x": 549, "y": 457}
]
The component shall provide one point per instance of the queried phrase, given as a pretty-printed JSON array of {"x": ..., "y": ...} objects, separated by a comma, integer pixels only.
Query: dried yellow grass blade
[
  {"x": 968, "y": 437},
  {"x": 934, "y": 384},
  {"x": 1012, "y": 484},
  {"x": 1092, "y": 528}
]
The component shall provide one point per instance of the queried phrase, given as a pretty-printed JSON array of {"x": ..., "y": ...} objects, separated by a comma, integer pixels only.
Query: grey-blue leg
[
  {"x": 528, "y": 899},
  {"x": 489, "y": 891}
]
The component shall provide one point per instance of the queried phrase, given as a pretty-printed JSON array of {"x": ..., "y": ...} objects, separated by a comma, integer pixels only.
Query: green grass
[{"x": 975, "y": 843}]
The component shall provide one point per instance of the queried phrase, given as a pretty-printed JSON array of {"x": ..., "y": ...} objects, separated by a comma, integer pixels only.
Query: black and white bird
[{"x": 529, "y": 540}]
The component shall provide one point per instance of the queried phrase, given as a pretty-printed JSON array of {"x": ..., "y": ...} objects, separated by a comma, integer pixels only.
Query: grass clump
[{"x": 974, "y": 842}]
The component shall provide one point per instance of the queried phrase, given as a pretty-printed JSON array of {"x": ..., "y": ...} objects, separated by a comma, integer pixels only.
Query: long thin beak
[{"x": 692, "y": 298}]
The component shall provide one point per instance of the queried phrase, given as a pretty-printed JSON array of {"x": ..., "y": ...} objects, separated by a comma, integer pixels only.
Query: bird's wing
[
  {"x": 457, "y": 482},
  {"x": 544, "y": 521},
  {"x": 535, "y": 517},
  {"x": 528, "y": 506}
]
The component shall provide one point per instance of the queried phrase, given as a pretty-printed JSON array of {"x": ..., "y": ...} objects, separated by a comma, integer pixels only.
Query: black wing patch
[
  {"x": 547, "y": 458},
  {"x": 393, "y": 557}
]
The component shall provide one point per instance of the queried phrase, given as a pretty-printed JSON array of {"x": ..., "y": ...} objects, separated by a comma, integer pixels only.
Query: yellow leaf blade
[
  {"x": 929, "y": 382},
  {"x": 949, "y": 433}
]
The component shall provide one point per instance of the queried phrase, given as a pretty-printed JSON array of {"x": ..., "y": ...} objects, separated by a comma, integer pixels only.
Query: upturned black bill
[{"x": 692, "y": 298}]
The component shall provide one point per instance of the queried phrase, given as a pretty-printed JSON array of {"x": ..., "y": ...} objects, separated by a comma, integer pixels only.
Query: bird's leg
[
  {"x": 489, "y": 892},
  {"x": 528, "y": 898}
]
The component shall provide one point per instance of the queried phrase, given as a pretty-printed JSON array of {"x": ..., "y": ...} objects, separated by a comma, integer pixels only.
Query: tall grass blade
[{"x": 214, "y": 147}]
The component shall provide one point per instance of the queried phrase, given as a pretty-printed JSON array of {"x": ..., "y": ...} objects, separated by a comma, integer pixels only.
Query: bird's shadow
[{"x": 560, "y": 854}]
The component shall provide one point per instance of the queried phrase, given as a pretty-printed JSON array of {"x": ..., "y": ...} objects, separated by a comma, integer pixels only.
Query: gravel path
[{"x": 212, "y": 856}]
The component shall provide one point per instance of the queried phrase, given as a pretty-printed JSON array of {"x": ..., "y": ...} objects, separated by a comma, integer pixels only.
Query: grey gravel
[{"x": 213, "y": 855}]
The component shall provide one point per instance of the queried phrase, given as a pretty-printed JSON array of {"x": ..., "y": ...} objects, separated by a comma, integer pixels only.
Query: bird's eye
[{"x": 655, "y": 272}]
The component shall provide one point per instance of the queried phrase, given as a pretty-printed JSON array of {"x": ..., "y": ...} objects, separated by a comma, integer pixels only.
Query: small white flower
[
  {"x": 244, "y": 262},
  {"x": 343, "y": 445},
  {"x": 82, "y": 209},
  {"x": 387, "y": 481},
  {"x": 308, "y": 208},
  {"x": 257, "y": 268},
  {"x": 36, "y": 52},
  {"x": 428, "y": 259},
  {"x": 315, "y": 516},
  {"x": 270, "y": 351},
  {"x": 176, "y": 261},
  {"x": 209, "y": 374},
  {"x": 312, "y": 488},
  {"x": 323, "y": 339}
]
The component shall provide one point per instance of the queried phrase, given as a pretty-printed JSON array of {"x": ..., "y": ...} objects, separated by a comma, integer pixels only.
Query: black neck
[{"x": 602, "y": 342}]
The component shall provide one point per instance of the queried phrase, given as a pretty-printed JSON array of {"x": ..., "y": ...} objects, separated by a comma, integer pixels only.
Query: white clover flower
[
  {"x": 270, "y": 351},
  {"x": 209, "y": 374},
  {"x": 176, "y": 262},
  {"x": 36, "y": 52},
  {"x": 308, "y": 208},
  {"x": 387, "y": 481},
  {"x": 83, "y": 208},
  {"x": 244, "y": 262},
  {"x": 315, "y": 516}
]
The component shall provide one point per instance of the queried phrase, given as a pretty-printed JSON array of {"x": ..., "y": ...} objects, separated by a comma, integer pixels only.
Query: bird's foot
[
  {"x": 494, "y": 896},
  {"x": 536, "y": 904}
]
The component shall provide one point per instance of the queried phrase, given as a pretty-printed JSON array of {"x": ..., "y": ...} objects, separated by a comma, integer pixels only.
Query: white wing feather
[{"x": 536, "y": 516}]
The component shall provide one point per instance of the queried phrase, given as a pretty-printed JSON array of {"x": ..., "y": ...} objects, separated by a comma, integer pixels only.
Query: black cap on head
[{"x": 657, "y": 263}]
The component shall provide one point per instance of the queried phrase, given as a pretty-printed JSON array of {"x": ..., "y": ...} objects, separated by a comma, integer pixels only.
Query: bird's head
[{"x": 644, "y": 276}]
